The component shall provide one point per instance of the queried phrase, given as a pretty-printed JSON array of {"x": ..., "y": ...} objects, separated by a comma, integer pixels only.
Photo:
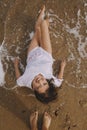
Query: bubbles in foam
[
  {"x": 76, "y": 55},
  {"x": 2, "y": 73}
]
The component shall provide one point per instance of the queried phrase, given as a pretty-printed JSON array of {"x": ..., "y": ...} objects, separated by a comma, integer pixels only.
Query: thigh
[
  {"x": 33, "y": 44},
  {"x": 45, "y": 37}
]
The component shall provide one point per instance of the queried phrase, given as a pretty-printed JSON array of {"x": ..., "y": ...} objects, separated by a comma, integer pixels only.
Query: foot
[
  {"x": 47, "y": 20},
  {"x": 46, "y": 121},
  {"x": 33, "y": 120},
  {"x": 40, "y": 18}
]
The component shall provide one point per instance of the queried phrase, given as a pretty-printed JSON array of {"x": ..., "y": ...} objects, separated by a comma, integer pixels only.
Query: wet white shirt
[{"x": 39, "y": 61}]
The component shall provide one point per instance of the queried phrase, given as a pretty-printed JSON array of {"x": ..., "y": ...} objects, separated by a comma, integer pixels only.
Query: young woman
[{"x": 38, "y": 74}]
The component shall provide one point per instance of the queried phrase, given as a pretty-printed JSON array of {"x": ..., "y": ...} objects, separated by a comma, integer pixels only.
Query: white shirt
[{"x": 39, "y": 61}]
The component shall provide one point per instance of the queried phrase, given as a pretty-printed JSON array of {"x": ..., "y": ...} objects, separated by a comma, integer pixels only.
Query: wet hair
[{"x": 49, "y": 95}]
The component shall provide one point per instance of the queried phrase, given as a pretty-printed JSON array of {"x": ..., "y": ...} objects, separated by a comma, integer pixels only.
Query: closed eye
[{"x": 45, "y": 84}]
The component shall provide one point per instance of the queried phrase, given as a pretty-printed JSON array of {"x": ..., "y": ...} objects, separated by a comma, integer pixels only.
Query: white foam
[
  {"x": 76, "y": 32},
  {"x": 18, "y": 50},
  {"x": 31, "y": 35},
  {"x": 86, "y": 17},
  {"x": 85, "y": 4},
  {"x": 2, "y": 73},
  {"x": 71, "y": 57},
  {"x": 75, "y": 54},
  {"x": 82, "y": 85}
]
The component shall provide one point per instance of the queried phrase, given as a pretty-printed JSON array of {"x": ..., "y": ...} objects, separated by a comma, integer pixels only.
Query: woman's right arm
[{"x": 16, "y": 66}]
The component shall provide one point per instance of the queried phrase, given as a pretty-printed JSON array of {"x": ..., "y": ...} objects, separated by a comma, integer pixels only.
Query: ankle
[
  {"x": 44, "y": 128},
  {"x": 34, "y": 129}
]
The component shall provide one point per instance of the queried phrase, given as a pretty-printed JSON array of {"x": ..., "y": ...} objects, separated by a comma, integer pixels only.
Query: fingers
[{"x": 16, "y": 59}]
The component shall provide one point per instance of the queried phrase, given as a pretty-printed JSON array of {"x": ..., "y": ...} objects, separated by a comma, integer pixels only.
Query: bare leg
[
  {"x": 39, "y": 33},
  {"x": 46, "y": 121},
  {"x": 36, "y": 38},
  {"x": 45, "y": 37},
  {"x": 34, "y": 42},
  {"x": 40, "y": 18},
  {"x": 33, "y": 120}
]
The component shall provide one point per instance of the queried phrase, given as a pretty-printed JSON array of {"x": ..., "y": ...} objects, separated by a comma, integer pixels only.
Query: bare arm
[
  {"x": 61, "y": 72},
  {"x": 17, "y": 71}
]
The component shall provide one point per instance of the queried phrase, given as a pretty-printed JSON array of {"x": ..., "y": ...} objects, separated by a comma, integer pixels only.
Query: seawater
[{"x": 76, "y": 46}]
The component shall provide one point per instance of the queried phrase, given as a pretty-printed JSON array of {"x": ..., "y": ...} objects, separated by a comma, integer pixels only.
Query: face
[{"x": 40, "y": 84}]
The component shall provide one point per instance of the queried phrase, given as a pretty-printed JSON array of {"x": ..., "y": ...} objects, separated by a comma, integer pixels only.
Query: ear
[{"x": 33, "y": 89}]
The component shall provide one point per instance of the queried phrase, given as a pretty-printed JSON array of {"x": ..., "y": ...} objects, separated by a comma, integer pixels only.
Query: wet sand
[{"x": 67, "y": 30}]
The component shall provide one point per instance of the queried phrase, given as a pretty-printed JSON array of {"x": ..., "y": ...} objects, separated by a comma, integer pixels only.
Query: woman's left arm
[
  {"x": 61, "y": 72},
  {"x": 16, "y": 66}
]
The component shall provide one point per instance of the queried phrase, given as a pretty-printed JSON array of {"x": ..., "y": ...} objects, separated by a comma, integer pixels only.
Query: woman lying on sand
[{"x": 38, "y": 74}]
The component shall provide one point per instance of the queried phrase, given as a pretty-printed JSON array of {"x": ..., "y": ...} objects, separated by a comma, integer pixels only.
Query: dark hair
[{"x": 49, "y": 95}]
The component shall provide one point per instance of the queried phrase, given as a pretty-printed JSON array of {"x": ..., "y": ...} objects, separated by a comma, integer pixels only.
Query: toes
[
  {"x": 36, "y": 114},
  {"x": 43, "y": 8},
  {"x": 46, "y": 120},
  {"x": 31, "y": 116},
  {"x": 33, "y": 120},
  {"x": 46, "y": 115}
]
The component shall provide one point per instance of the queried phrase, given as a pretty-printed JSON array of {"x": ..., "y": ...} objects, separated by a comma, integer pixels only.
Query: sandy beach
[{"x": 68, "y": 31}]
